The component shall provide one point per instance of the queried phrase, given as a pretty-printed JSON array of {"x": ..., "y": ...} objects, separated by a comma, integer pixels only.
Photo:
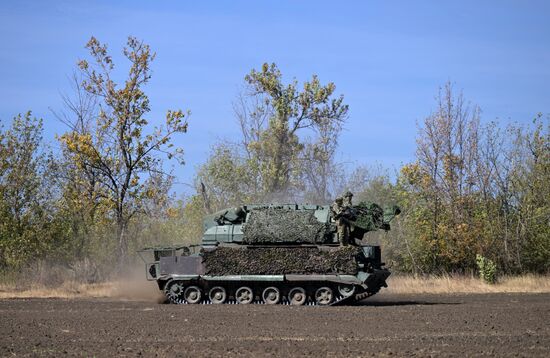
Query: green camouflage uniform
[
  {"x": 348, "y": 206},
  {"x": 341, "y": 222},
  {"x": 347, "y": 199}
]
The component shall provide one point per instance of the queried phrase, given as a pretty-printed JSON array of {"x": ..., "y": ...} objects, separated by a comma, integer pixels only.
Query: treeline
[
  {"x": 105, "y": 191},
  {"x": 474, "y": 189}
]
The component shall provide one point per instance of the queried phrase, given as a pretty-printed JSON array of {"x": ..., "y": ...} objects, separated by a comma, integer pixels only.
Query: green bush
[{"x": 487, "y": 269}]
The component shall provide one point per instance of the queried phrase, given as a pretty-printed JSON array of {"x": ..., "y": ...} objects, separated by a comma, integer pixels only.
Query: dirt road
[{"x": 384, "y": 325}]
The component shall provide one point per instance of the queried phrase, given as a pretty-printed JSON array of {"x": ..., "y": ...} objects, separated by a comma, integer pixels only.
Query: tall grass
[
  {"x": 66, "y": 290},
  {"x": 128, "y": 290},
  {"x": 79, "y": 280},
  {"x": 137, "y": 288},
  {"x": 448, "y": 284}
]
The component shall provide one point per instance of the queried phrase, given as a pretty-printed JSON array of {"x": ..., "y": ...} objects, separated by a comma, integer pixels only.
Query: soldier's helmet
[{"x": 348, "y": 194}]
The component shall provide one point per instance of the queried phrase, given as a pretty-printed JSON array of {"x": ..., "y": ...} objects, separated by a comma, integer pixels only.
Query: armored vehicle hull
[{"x": 246, "y": 258}]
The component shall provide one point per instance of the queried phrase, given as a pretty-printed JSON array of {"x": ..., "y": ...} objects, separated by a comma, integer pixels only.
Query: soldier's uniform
[
  {"x": 342, "y": 224},
  {"x": 347, "y": 199}
]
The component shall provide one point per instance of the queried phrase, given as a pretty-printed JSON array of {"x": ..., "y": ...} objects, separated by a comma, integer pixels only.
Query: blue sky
[{"x": 387, "y": 57}]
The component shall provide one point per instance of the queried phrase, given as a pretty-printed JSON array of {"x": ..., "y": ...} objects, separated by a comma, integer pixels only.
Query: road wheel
[
  {"x": 192, "y": 294},
  {"x": 297, "y": 296},
  {"x": 346, "y": 290},
  {"x": 271, "y": 295},
  {"x": 217, "y": 295},
  {"x": 323, "y": 296},
  {"x": 244, "y": 295}
]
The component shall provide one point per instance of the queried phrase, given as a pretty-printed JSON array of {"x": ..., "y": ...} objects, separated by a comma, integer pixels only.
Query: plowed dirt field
[{"x": 384, "y": 325}]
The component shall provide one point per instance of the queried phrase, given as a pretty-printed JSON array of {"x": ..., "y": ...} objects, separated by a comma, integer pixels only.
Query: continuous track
[{"x": 338, "y": 299}]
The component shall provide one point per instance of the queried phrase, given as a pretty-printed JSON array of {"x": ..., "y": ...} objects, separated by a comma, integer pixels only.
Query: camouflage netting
[
  {"x": 280, "y": 260},
  {"x": 370, "y": 217},
  {"x": 276, "y": 225}
]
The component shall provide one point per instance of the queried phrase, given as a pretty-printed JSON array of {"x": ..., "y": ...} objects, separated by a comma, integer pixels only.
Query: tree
[
  {"x": 278, "y": 146},
  {"x": 117, "y": 151},
  {"x": 81, "y": 205},
  {"x": 227, "y": 177},
  {"x": 476, "y": 190},
  {"x": 23, "y": 198},
  {"x": 274, "y": 160},
  {"x": 19, "y": 173},
  {"x": 319, "y": 167},
  {"x": 532, "y": 192},
  {"x": 442, "y": 183}
]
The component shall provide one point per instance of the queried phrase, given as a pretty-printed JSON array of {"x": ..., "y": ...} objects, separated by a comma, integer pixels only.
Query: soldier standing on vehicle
[
  {"x": 338, "y": 212},
  {"x": 349, "y": 215},
  {"x": 347, "y": 199}
]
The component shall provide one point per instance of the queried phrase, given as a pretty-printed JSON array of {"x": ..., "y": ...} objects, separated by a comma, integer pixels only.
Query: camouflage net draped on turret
[
  {"x": 370, "y": 217},
  {"x": 277, "y": 225},
  {"x": 280, "y": 260}
]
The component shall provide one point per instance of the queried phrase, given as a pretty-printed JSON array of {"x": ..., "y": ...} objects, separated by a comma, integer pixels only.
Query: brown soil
[{"x": 384, "y": 325}]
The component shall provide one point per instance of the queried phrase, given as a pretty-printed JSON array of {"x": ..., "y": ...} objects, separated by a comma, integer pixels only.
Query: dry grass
[
  {"x": 81, "y": 279},
  {"x": 468, "y": 284},
  {"x": 126, "y": 290},
  {"x": 147, "y": 291},
  {"x": 66, "y": 290}
]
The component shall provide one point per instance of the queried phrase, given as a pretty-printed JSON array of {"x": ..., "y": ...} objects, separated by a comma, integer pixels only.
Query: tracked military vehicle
[{"x": 274, "y": 254}]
